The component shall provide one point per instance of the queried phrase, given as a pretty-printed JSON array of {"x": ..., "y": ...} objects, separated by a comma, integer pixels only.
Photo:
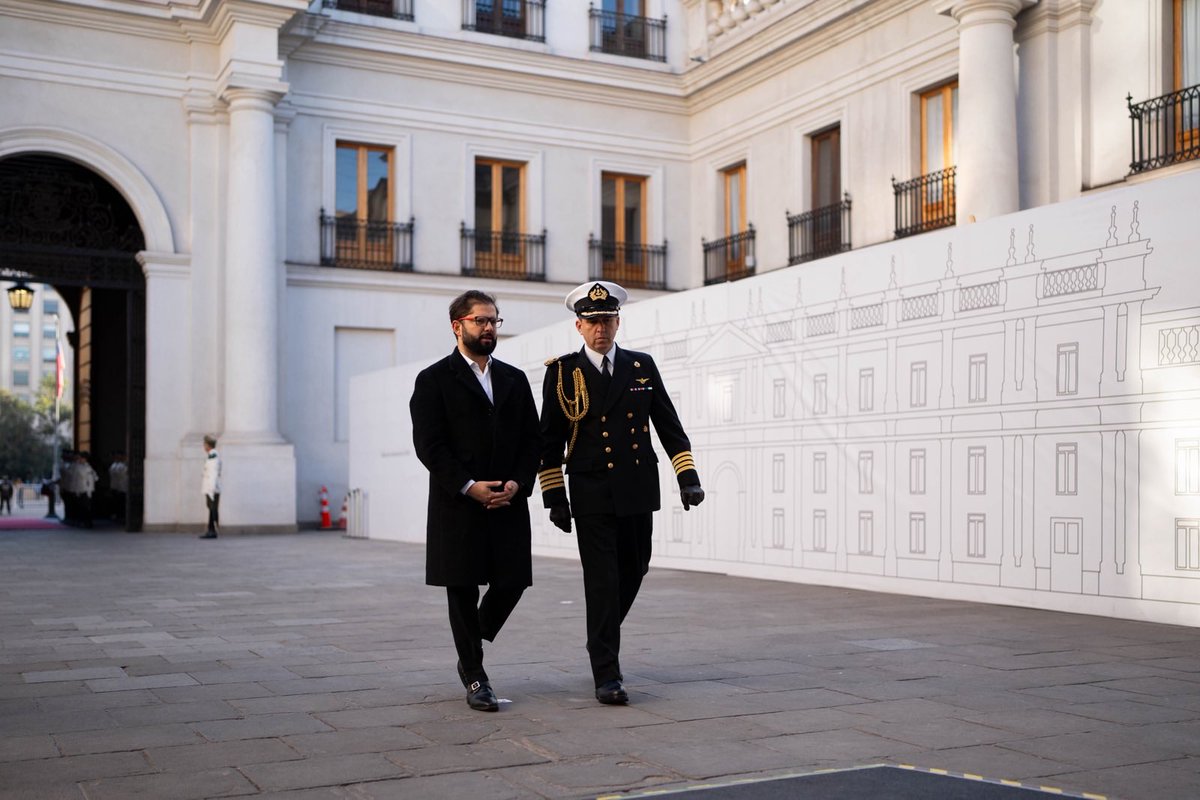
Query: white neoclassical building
[{"x": 246, "y": 203}]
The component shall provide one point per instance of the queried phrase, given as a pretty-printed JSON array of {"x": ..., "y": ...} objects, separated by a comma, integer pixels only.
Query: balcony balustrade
[
  {"x": 820, "y": 232},
  {"x": 358, "y": 244},
  {"x": 1165, "y": 130},
  {"x": 730, "y": 258},
  {"x": 503, "y": 254},
  {"x": 517, "y": 19},
  {"x": 628, "y": 35},
  {"x": 396, "y": 9},
  {"x": 640, "y": 266},
  {"x": 924, "y": 203}
]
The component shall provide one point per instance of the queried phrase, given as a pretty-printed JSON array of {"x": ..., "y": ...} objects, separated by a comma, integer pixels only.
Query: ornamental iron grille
[
  {"x": 366, "y": 244},
  {"x": 730, "y": 258},
  {"x": 64, "y": 225},
  {"x": 628, "y": 35},
  {"x": 820, "y": 232},
  {"x": 925, "y": 203},
  {"x": 640, "y": 266},
  {"x": 517, "y": 19},
  {"x": 1164, "y": 130},
  {"x": 503, "y": 254},
  {"x": 396, "y": 9}
]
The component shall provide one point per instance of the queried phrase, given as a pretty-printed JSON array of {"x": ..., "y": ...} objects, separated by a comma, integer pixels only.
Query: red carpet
[{"x": 29, "y": 524}]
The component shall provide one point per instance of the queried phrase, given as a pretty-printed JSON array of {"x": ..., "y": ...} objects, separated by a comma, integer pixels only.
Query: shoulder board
[{"x": 563, "y": 357}]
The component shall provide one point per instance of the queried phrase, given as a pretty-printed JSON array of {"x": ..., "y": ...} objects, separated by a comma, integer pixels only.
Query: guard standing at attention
[{"x": 597, "y": 408}]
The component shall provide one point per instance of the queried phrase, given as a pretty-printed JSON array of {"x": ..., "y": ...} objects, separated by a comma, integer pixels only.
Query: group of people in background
[{"x": 83, "y": 496}]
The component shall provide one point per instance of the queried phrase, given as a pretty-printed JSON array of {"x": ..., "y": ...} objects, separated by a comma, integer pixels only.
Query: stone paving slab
[{"x": 314, "y": 667}]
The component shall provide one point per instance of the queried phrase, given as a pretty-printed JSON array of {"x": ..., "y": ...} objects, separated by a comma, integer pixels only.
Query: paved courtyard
[{"x": 313, "y": 666}]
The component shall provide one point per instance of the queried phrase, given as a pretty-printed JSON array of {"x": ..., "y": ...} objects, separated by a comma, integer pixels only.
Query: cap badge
[{"x": 598, "y": 293}]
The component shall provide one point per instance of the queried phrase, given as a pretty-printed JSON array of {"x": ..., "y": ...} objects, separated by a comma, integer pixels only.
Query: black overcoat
[{"x": 460, "y": 436}]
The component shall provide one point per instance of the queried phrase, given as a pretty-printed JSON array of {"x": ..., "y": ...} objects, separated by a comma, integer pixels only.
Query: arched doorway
[{"x": 64, "y": 225}]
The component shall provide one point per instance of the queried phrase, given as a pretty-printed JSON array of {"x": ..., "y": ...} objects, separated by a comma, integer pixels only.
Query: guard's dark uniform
[{"x": 614, "y": 479}]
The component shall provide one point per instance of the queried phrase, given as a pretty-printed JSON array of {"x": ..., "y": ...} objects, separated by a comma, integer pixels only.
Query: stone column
[
  {"x": 251, "y": 296},
  {"x": 987, "y": 180}
]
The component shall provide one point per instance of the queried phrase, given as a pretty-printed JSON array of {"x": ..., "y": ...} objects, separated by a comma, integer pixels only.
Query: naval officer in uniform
[{"x": 597, "y": 408}]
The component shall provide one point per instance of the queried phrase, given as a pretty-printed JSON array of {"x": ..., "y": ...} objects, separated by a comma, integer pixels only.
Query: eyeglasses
[{"x": 483, "y": 322}]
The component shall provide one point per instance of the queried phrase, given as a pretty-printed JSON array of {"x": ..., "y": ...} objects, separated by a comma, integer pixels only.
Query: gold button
[
  {"x": 610, "y": 465},
  {"x": 633, "y": 430},
  {"x": 645, "y": 429},
  {"x": 629, "y": 415},
  {"x": 604, "y": 419},
  {"x": 635, "y": 445},
  {"x": 635, "y": 461},
  {"x": 608, "y": 449},
  {"x": 604, "y": 434}
]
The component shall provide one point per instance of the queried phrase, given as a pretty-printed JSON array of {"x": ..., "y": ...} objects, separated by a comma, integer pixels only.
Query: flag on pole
[{"x": 59, "y": 369}]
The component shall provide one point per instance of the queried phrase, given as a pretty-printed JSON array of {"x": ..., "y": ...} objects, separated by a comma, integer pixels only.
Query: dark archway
[{"x": 62, "y": 224}]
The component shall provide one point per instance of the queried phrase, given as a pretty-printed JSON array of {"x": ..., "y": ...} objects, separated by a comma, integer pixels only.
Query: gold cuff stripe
[
  {"x": 552, "y": 471},
  {"x": 686, "y": 455},
  {"x": 684, "y": 466},
  {"x": 551, "y": 479}
]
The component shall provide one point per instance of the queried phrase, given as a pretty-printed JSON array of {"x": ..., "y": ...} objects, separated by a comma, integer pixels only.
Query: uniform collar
[{"x": 597, "y": 359}]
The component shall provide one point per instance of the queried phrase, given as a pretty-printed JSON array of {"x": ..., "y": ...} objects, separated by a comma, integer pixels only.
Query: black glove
[
  {"x": 691, "y": 496},
  {"x": 561, "y": 517}
]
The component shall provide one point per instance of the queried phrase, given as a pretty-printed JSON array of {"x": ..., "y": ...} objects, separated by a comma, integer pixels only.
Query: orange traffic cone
[
  {"x": 345, "y": 509},
  {"x": 326, "y": 523}
]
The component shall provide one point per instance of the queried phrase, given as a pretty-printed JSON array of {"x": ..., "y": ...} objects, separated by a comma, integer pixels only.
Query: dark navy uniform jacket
[{"x": 613, "y": 466}]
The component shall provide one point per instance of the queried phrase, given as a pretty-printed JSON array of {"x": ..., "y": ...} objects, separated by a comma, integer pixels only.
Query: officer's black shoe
[
  {"x": 612, "y": 693},
  {"x": 481, "y": 697},
  {"x": 208, "y": 535}
]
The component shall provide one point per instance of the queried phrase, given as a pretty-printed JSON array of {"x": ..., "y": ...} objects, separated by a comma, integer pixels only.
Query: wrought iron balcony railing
[
  {"x": 628, "y": 35},
  {"x": 640, "y": 266},
  {"x": 924, "y": 203},
  {"x": 818, "y": 233},
  {"x": 730, "y": 258},
  {"x": 501, "y": 254},
  {"x": 396, "y": 9},
  {"x": 359, "y": 244},
  {"x": 518, "y": 19},
  {"x": 1165, "y": 130}
]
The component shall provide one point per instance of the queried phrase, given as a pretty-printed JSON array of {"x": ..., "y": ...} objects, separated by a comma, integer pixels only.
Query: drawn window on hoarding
[
  {"x": 916, "y": 471},
  {"x": 866, "y": 389},
  {"x": 820, "y": 475},
  {"x": 820, "y": 531},
  {"x": 976, "y": 470},
  {"x": 780, "y": 397},
  {"x": 977, "y": 379},
  {"x": 1187, "y": 544},
  {"x": 1067, "y": 376},
  {"x": 1187, "y": 466},
  {"x": 1066, "y": 536},
  {"x": 777, "y": 529},
  {"x": 820, "y": 394},
  {"x": 916, "y": 384},
  {"x": 778, "y": 473},
  {"x": 866, "y": 472},
  {"x": 976, "y": 536},
  {"x": 1066, "y": 471},
  {"x": 866, "y": 533},
  {"x": 916, "y": 532}
]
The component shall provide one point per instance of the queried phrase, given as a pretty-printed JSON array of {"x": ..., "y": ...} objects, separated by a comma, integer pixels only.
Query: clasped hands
[{"x": 493, "y": 494}]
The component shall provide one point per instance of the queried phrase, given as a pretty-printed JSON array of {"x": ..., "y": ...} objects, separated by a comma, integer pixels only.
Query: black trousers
[
  {"x": 213, "y": 502},
  {"x": 615, "y": 553},
  {"x": 471, "y": 621},
  {"x": 6, "y": 501}
]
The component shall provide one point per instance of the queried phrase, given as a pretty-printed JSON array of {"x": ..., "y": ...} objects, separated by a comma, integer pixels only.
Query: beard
[{"x": 481, "y": 345}]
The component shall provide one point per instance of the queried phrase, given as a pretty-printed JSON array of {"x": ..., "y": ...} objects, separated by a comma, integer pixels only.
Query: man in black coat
[
  {"x": 598, "y": 405},
  {"x": 475, "y": 428}
]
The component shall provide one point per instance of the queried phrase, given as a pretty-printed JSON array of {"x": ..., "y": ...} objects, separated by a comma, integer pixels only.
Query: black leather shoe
[
  {"x": 481, "y": 697},
  {"x": 209, "y": 535},
  {"x": 612, "y": 693}
]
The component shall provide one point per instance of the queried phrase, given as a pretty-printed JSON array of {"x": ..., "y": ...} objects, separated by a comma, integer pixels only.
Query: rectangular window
[
  {"x": 49, "y": 332},
  {"x": 1067, "y": 380},
  {"x": 939, "y": 148},
  {"x": 777, "y": 529},
  {"x": 976, "y": 536},
  {"x": 866, "y": 472},
  {"x": 820, "y": 475},
  {"x": 977, "y": 379},
  {"x": 20, "y": 377},
  {"x": 499, "y": 216},
  {"x": 1066, "y": 468},
  {"x": 820, "y": 394},
  {"x": 916, "y": 532},
  {"x": 362, "y": 175},
  {"x": 1187, "y": 544},
  {"x": 778, "y": 473},
  {"x": 866, "y": 389},
  {"x": 866, "y": 532},
  {"x": 1187, "y": 466},
  {"x": 49, "y": 307},
  {"x": 1065, "y": 536},
  {"x": 976, "y": 470},
  {"x": 734, "y": 180},
  {"x": 820, "y": 531},
  {"x": 20, "y": 330},
  {"x": 917, "y": 384},
  {"x": 1187, "y": 70},
  {"x": 623, "y": 227},
  {"x": 916, "y": 471},
  {"x": 49, "y": 353},
  {"x": 20, "y": 354},
  {"x": 780, "y": 397},
  {"x": 824, "y": 229}
]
